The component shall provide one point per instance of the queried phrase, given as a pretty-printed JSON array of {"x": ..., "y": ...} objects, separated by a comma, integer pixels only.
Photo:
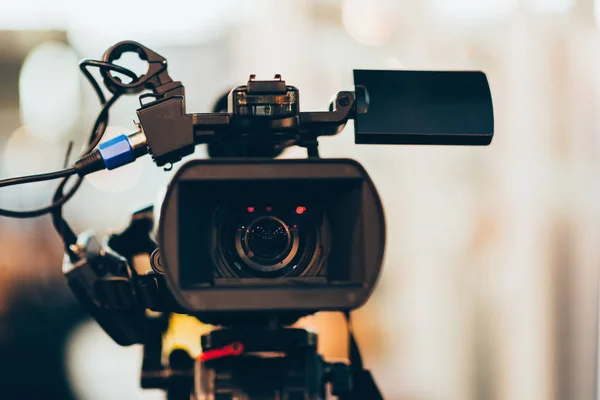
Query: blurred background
[{"x": 490, "y": 283}]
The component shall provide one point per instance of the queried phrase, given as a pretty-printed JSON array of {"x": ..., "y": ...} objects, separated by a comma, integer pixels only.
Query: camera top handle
[
  {"x": 263, "y": 117},
  {"x": 156, "y": 78}
]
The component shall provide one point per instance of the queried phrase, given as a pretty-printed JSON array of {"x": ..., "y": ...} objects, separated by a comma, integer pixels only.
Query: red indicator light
[
  {"x": 250, "y": 209},
  {"x": 300, "y": 210},
  {"x": 269, "y": 208}
]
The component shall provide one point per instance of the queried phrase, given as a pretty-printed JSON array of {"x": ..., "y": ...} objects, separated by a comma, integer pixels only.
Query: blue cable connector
[{"x": 116, "y": 152}]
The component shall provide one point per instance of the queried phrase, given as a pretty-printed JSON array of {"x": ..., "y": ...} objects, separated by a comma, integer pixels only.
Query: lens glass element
[
  {"x": 260, "y": 238},
  {"x": 267, "y": 238}
]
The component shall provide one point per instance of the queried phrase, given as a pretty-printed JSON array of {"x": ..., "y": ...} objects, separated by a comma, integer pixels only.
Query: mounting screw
[{"x": 343, "y": 101}]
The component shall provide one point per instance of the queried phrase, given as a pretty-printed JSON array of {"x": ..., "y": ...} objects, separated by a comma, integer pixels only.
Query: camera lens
[
  {"x": 268, "y": 239},
  {"x": 266, "y": 244}
]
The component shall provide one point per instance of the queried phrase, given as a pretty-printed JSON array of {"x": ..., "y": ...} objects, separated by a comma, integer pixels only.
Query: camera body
[
  {"x": 272, "y": 236},
  {"x": 243, "y": 237},
  {"x": 243, "y": 240}
]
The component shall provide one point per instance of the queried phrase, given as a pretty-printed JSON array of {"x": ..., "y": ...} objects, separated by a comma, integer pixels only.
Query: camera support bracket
[
  {"x": 156, "y": 78},
  {"x": 264, "y": 115}
]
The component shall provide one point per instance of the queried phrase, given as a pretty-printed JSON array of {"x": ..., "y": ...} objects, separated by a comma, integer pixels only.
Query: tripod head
[{"x": 257, "y": 363}]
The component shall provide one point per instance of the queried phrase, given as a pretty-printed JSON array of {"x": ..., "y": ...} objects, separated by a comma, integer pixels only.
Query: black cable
[
  {"x": 63, "y": 229},
  {"x": 354, "y": 352},
  {"x": 68, "y": 154},
  {"x": 101, "y": 64},
  {"x": 99, "y": 126},
  {"x": 61, "y": 226},
  {"x": 97, "y": 133},
  {"x": 40, "y": 211},
  {"x": 37, "y": 178},
  {"x": 67, "y": 235}
]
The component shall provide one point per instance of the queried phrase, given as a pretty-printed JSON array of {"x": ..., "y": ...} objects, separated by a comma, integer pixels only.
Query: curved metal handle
[{"x": 153, "y": 78}]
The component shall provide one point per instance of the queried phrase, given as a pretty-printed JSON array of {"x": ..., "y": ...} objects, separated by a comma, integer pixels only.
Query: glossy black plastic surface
[{"x": 425, "y": 107}]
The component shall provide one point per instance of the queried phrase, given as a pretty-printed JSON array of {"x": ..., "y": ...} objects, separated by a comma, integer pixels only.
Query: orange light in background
[
  {"x": 333, "y": 334},
  {"x": 300, "y": 210}
]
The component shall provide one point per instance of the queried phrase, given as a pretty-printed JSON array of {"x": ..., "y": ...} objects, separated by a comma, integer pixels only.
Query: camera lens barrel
[
  {"x": 267, "y": 244},
  {"x": 284, "y": 237}
]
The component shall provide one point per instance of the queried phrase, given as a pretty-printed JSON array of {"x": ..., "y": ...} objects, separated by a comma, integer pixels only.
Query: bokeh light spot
[
  {"x": 369, "y": 22},
  {"x": 49, "y": 90},
  {"x": 93, "y": 359},
  {"x": 551, "y": 6},
  {"x": 471, "y": 9},
  {"x": 25, "y": 154}
]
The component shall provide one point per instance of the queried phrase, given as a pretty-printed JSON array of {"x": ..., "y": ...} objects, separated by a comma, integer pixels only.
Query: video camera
[{"x": 246, "y": 241}]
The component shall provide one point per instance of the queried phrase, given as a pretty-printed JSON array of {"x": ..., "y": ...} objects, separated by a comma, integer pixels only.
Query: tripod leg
[
  {"x": 363, "y": 387},
  {"x": 176, "y": 379},
  {"x": 180, "y": 385}
]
